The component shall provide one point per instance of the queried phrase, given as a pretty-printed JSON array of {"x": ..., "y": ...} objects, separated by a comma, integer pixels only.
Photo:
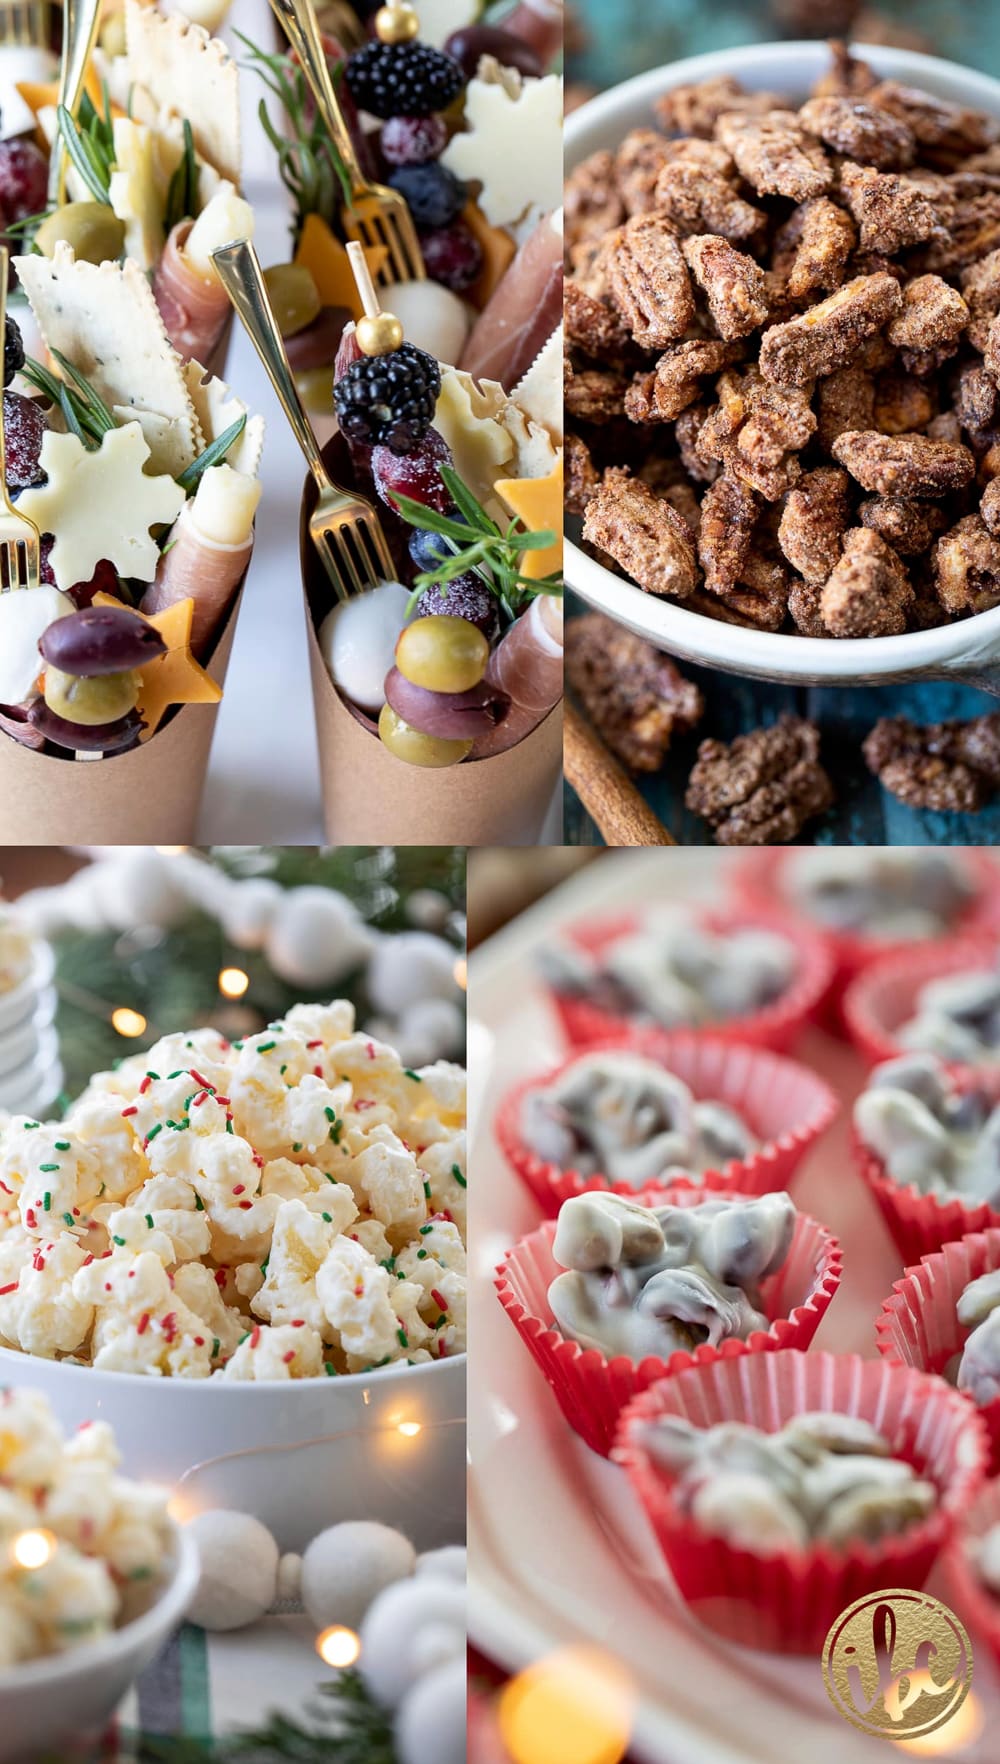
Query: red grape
[
  {"x": 415, "y": 474},
  {"x": 24, "y": 428},
  {"x": 453, "y": 256},
  {"x": 413, "y": 140}
]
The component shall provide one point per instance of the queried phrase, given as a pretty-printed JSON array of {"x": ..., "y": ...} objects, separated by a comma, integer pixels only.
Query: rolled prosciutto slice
[
  {"x": 527, "y": 664},
  {"x": 522, "y": 314},
  {"x": 210, "y": 547},
  {"x": 193, "y": 303}
]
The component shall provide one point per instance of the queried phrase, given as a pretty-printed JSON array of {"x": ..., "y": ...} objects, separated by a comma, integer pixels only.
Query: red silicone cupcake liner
[
  {"x": 591, "y": 1390},
  {"x": 787, "y": 1601},
  {"x": 883, "y": 998},
  {"x": 786, "y": 1106},
  {"x": 972, "y": 1600},
  {"x": 918, "y": 1223},
  {"x": 918, "y": 1325},
  {"x": 776, "y": 1026},
  {"x": 759, "y": 881}
]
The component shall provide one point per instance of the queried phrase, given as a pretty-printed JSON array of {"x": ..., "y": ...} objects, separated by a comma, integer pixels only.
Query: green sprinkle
[
  {"x": 155, "y": 1075},
  {"x": 335, "y": 1131},
  {"x": 153, "y": 1131},
  {"x": 424, "y": 1230},
  {"x": 329, "y": 1114},
  {"x": 70, "y": 1221},
  {"x": 47, "y": 1202},
  {"x": 199, "y": 1205},
  {"x": 216, "y": 1344},
  {"x": 229, "y": 1125},
  {"x": 238, "y": 1045},
  {"x": 119, "y": 1240},
  {"x": 389, "y": 1264},
  {"x": 328, "y": 1217},
  {"x": 421, "y": 1255},
  {"x": 265, "y": 1046},
  {"x": 188, "y": 1100},
  {"x": 141, "y": 1574},
  {"x": 414, "y": 1075},
  {"x": 62, "y": 1145},
  {"x": 47, "y": 1167},
  {"x": 297, "y": 1146},
  {"x": 331, "y": 1371},
  {"x": 178, "y": 1074},
  {"x": 402, "y": 1338},
  {"x": 150, "y": 1221},
  {"x": 282, "y": 1070},
  {"x": 442, "y": 1320},
  {"x": 263, "y": 1266},
  {"x": 243, "y": 1338},
  {"x": 31, "y": 1123},
  {"x": 427, "y": 1190},
  {"x": 459, "y": 1178}
]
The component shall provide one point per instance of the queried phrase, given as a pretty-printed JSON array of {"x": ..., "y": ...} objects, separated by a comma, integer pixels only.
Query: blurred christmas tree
[{"x": 150, "y": 980}]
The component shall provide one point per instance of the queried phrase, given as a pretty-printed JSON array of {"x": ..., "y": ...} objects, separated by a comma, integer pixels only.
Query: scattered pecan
[
  {"x": 638, "y": 163},
  {"x": 592, "y": 204},
  {"x": 868, "y": 592},
  {"x": 966, "y": 565},
  {"x": 635, "y": 697},
  {"x": 844, "y": 400},
  {"x": 975, "y": 398},
  {"x": 847, "y": 76},
  {"x": 932, "y": 318},
  {"x": 649, "y": 539},
  {"x": 830, "y": 334},
  {"x": 687, "y": 430},
  {"x": 758, "y": 430},
  {"x": 951, "y": 767},
  {"x": 762, "y": 788},
  {"x": 945, "y": 132},
  {"x": 902, "y": 403},
  {"x": 729, "y": 510},
  {"x": 861, "y": 131},
  {"x": 649, "y": 282},
  {"x": 904, "y": 465},
  {"x": 813, "y": 523},
  {"x": 595, "y": 395},
  {"x": 981, "y": 288},
  {"x": 989, "y": 508},
  {"x": 593, "y": 326},
  {"x": 662, "y": 393}
]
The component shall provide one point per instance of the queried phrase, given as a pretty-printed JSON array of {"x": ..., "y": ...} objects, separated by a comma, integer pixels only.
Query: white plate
[{"x": 559, "y": 1550}]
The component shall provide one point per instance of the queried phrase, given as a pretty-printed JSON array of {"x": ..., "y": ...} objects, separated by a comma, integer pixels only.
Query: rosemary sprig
[
  {"x": 182, "y": 191},
  {"x": 309, "y": 165},
  {"x": 212, "y": 455},
  {"x": 87, "y": 149},
  {"x": 479, "y": 545},
  {"x": 348, "y": 1728}
]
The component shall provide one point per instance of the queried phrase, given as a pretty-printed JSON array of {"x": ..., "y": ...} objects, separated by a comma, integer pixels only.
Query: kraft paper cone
[
  {"x": 149, "y": 796},
  {"x": 372, "y": 798}
]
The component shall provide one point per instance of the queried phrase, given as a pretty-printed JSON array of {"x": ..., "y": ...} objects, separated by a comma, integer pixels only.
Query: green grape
[
  {"x": 103, "y": 698},
  {"x": 92, "y": 228},
  {"x": 442, "y": 653},
  {"x": 316, "y": 389},
  {"x": 416, "y": 749},
  {"x": 294, "y": 296}
]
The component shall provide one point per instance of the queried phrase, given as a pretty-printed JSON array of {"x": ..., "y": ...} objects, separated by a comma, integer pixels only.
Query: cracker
[
  {"x": 188, "y": 72},
  {"x": 216, "y": 407}
]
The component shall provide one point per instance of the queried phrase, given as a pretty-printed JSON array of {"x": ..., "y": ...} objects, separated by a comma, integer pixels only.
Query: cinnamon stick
[{"x": 605, "y": 789}]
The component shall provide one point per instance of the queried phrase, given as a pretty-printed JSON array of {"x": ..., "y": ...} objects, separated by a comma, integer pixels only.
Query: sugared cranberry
[
  {"x": 413, "y": 140},
  {"x": 104, "y": 580},
  {"x": 466, "y": 597},
  {"x": 24, "y": 176},
  {"x": 453, "y": 256},
  {"x": 415, "y": 474},
  {"x": 24, "y": 428},
  {"x": 13, "y": 351}
]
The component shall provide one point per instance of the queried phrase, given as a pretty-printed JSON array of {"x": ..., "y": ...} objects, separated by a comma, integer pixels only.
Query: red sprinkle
[
  {"x": 298, "y": 1322},
  {"x": 170, "y": 1325},
  {"x": 255, "y": 1337},
  {"x": 6, "y": 1190},
  {"x": 240, "y": 1188},
  {"x": 364, "y": 1102},
  {"x": 107, "y": 1286},
  {"x": 144, "y": 1086},
  {"x": 258, "y": 1160},
  {"x": 371, "y": 1050},
  {"x": 220, "y": 1277},
  {"x": 317, "y": 1071},
  {"x": 289, "y": 1357},
  {"x": 87, "y": 1260},
  {"x": 38, "y": 1263},
  {"x": 199, "y": 1099},
  {"x": 199, "y": 1079},
  {"x": 143, "y": 1323},
  {"x": 199, "y": 1341},
  {"x": 30, "y": 1219},
  {"x": 132, "y": 1110},
  {"x": 314, "y": 1043},
  {"x": 224, "y": 1100},
  {"x": 246, "y": 1205},
  {"x": 438, "y": 1300},
  {"x": 11, "y": 1288}
]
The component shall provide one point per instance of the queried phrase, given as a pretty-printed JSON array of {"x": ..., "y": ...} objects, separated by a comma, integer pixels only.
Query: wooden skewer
[
  {"x": 605, "y": 789},
  {"x": 363, "y": 279}
]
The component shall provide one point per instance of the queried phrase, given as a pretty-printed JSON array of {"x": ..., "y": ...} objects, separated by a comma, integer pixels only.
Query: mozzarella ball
[{"x": 357, "y": 641}]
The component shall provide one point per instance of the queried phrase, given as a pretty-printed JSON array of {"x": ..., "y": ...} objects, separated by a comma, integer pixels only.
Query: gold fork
[
  {"x": 344, "y": 527},
  {"x": 375, "y": 215},
  {"x": 24, "y": 24},
  {"x": 80, "y": 18},
  {"x": 20, "y": 546}
]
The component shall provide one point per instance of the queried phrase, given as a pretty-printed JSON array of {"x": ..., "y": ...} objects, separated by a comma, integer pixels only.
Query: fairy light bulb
[
  {"x": 32, "y": 1549},
  {"x": 409, "y": 1429},
  {"x": 576, "y": 1703},
  {"x": 128, "y": 1023},
  {"x": 233, "y": 982},
  {"x": 338, "y": 1646}
]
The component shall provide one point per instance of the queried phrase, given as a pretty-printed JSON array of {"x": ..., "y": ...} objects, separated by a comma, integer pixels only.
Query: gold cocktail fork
[
  {"x": 80, "y": 18},
  {"x": 344, "y": 527},
  {"x": 375, "y": 215},
  {"x": 24, "y": 24},
  {"x": 20, "y": 545}
]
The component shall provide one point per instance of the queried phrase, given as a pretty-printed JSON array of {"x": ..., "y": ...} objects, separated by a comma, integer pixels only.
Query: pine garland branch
[{"x": 352, "y": 1730}]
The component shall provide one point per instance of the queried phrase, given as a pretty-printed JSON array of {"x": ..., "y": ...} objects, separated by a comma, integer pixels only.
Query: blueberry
[
  {"x": 428, "y": 549},
  {"x": 434, "y": 196}
]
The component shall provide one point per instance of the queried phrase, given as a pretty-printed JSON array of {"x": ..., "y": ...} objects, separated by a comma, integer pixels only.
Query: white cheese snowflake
[{"x": 512, "y": 145}]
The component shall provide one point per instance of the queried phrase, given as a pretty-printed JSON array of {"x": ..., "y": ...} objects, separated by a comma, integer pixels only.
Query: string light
[
  {"x": 338, "y": 1646},
  {"x": 409, "y": 1429},
  {"x": 32, "y": 1549},
  {"x": 460, "y": 971},
  {"x": 954, "y": 1735},
  {"x": 233, "y": 982},
  {"x": 170, "y": 850},
  {"x": 128, "y": 1023},
  {"x": 576, "y": 1703}
]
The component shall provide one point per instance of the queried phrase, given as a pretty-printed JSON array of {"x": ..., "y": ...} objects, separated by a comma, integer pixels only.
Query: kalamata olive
[
  {"x": 442, "y": 653},
  {"x": 317, "y": 345},
  {"x": 413, "y": 747},
  {"x": 458, "y": 716},
  {"x": 92, "y": 228},
  {"x": 111, "y": 737},
  {"x": 294, "y": 296},
  {"x": 468, "y": 45},
  {"x": 101, "y": 640},
  {"x": 102, "y": 699}
]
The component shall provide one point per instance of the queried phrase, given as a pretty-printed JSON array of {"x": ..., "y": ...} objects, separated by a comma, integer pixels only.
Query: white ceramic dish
[
  {"x": 573, "y": 1559},
  {"x": 67, "y": 1697},
  {"x": 968, "y": 651},
  {"x": 300, "y": 1455},
  {"x": 21, "y": 1002}
]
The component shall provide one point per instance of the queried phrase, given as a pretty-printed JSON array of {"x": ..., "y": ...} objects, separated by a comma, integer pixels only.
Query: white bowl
[
  {"x": 968, "y": 651},
  {"x": 298, "y": 1454},
  {"x": 21, "y": 1002},
  {"x": 68, "y": 1697}
]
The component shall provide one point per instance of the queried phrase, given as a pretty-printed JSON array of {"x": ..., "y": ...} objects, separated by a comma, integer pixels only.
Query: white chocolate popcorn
[
  {"x": 43, "y": 1315},
  {"x": 443, "y": 1165},
  {"x": 385, "y": 1177},
  {"x": 374, "y": 1315},
  {"x": 283, "y": 1352},
  {"x": 141, "y": 1325}
]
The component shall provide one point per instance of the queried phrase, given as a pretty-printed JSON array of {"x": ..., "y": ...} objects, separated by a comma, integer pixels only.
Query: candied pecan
[
  {"x": 902, "y": 403},
  {"x": 866, "y": 134},
  {"x": 757, "y": 430},
  {"x": 868, "y": 591},
  {"x": 981, "y": 288},
  {"x": 580, "y": 475},
  {"x": 729, "y": 510},
  {"x": 813, "y": 522},
  {"x": 732, "y": 284},
  {"x": 698, "y": 200},
  {"x": 680, "y": 497},
  {"x": 662, "y": 393},
  {"x": 991, "y": 354},
  {"x": 593, "y": 326},
  {"x": 904, "y": 465},
  {"x": 815, "y": 241},
  {"x": 966, "y": 565},
  {"x": 774, "y": 153},
  {"x": 804, "y": 606},
  {"x": 846, "y": 77},
  {"x": 891, "y": 211},
  {"x": 649, "y": 282},
  {"x": 687, "y": 429},
  {"x": 591, "y": 202},
  {"x": 649, "y": 539},
  {"x": 951, "y": 767},
  {"x": 635, "y": 697},
  {"x": 909, "y": 527},
  {"x": 975, "y": 397},
  {"x": 695, "y": 109},
  {"x": 830, "y": 334},
  {"x": 763, "y": 787},
  {"x": 944, "y": 131},
  {"x": 595, "y": 395},
  {"x": 638, "y": 164},
  {"x": 707, "y": 156},
  {"x": 945, "y": 427},
  {"x": 933, "y": 315},
  {"x": 973, "y": 230},
  {"x": 989, "y": 508},
  {"x": 844, "y": 400}
]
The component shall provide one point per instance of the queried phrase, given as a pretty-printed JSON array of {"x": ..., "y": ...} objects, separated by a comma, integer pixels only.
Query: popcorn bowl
[
  {"x": 591, "y": 1390},
  {"x": 299, "y": 1454},
  {"x": 970, "y": 1597},
  {"x": 787, "y": 1106},
  {"x": 918, "y": 1324},
  {"x": 774, "y": 1026},
  {"x": 884, "y": 996},
  {"x": 786, "y": 1601},
  {"x": 968, "y": 651},
  {"x": 64, "y": 1699}
]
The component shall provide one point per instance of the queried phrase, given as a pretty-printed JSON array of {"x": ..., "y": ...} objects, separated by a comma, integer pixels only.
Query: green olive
[
  {"x": 102, "y": 698},
  {"x": 443, "y": 653},
  {"x": 294, "y": 296},
  {"x": 416, "y": 749},
  {"x": 92, "y": 228},
  {"x": 112, "y": 37},
  {"x": 314, "y": 389}
]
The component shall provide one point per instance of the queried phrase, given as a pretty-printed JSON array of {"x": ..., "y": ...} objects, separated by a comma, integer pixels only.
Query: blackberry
[
  {"x": 388, "y": 400},
  {"x": 403, "y": 79},
  {"x": 13, "y": 352}
]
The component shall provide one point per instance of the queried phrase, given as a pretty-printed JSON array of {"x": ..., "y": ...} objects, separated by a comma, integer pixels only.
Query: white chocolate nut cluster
[
  {"x": 288, "y": 1206},
  {"x": 676, "y": 974},
  {"x": 108, "y": 1539},
  {"x": 885, "y": 895},
  {"x": 823, "y": 1478},
  {"x": 957, "y": 1017},
  {"x": 15, "y": 951},
  {"x": 645, "y": 1281},
  {"x": 929, "y": 1134},
  {"x": 978, "y": 1367},
  {"x": 621, "y": 1116}
]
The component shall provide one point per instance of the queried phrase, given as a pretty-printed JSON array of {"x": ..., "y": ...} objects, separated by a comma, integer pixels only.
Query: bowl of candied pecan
[{"x": 783, "y": 339}]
